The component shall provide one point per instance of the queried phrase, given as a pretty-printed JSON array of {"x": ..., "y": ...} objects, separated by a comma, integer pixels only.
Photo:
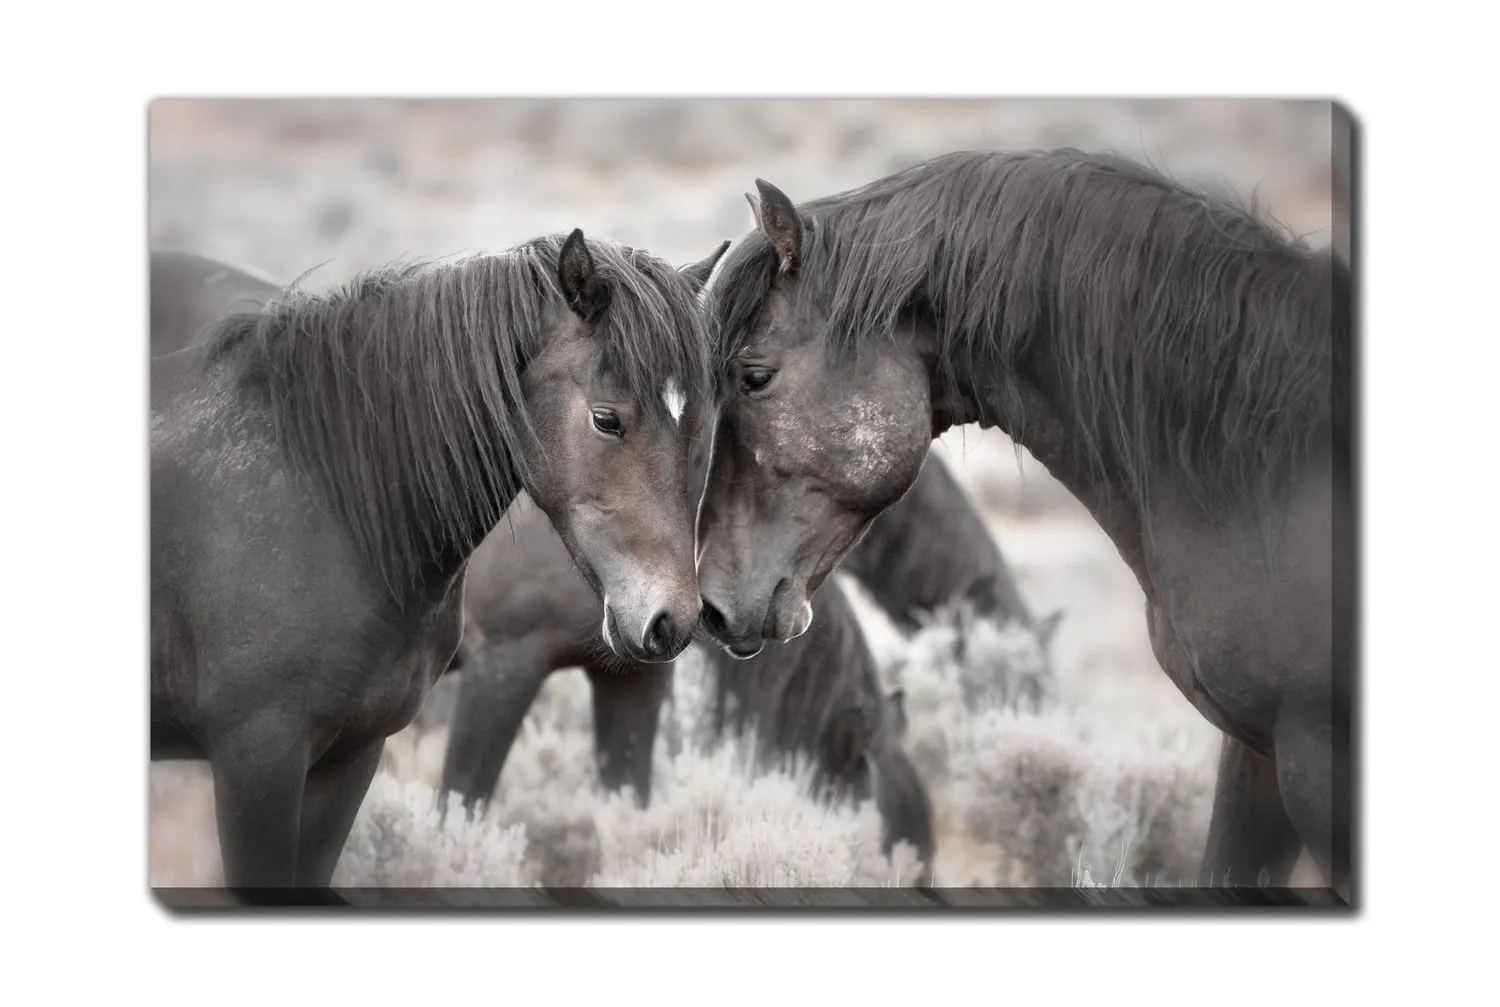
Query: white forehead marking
[{"x": 673, "y": 397}]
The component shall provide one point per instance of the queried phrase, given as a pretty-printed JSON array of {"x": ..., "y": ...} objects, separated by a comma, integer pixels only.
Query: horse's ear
[
  {"x": 1047, "y": 628},
  {"x": 780, "y": 222},
  {"x": 585, "y": 293},
  {"x": 755, "y": 210},
  {"x": 700, "y": 271}
]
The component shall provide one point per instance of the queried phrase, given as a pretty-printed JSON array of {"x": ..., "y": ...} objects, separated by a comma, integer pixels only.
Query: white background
[{"x": 72, "y": 502}]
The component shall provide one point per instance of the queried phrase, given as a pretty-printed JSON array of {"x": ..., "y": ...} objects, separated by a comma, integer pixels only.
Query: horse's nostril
[
  {"x": 661, "y": 634},
  {"x": 713, "y": 619}
]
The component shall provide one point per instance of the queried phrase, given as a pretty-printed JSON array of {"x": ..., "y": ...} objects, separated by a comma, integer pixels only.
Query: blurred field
[{"x": 1111, "y": 784}]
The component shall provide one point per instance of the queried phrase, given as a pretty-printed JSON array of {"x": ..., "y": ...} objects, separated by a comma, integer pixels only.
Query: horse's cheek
[
  {"x": 881, "y": 449},
  {"x": 910, "y": 415},
  {"x": 791, "y": 443}
]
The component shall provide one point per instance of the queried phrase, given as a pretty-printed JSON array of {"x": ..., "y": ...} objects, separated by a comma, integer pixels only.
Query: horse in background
[
  {"x": 931, "y": 557},
  {"x": 933, "y": 546},
  {"x": 322, "y": 469},
  {"x": 190, "y": 292},
  {"x": 527, "y": 613},
  {"x": 818, "y": 702},
  {"x": 1176, "y": 362}
]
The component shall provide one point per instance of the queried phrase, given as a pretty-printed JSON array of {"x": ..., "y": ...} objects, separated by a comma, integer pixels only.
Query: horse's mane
[
  {"x": 400, "y": 393},
  {"x": 1188, "y": 330}
]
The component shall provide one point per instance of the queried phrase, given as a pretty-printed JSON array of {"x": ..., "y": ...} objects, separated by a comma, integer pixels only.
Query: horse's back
[
  {"x": 189, "y": 292},
  {"x": 194, "y": 403}
]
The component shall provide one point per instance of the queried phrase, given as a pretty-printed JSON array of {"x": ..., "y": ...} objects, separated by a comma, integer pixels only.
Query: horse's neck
[
  {"x": 447, "y": 571},
  {"x": 436, "y": 535},
  {"x": 1033, "y": 415}
]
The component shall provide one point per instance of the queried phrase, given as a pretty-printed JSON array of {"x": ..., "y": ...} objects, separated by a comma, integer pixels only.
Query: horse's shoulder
[
  {"x": 222, "y": 490},
  {"x": 1238, "y": 604}
]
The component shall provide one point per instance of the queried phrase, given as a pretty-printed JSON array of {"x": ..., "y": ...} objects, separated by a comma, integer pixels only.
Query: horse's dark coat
[
  {"x": 1160, "y": 307},
  {"x": 321, "y": 470},
  {"x": 1176, "y": 362}
]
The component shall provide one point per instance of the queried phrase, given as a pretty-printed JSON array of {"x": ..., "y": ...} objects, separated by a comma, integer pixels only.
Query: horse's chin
[
  {"x": 609, "y": 630},
  {"x": 580, "y": 562}
]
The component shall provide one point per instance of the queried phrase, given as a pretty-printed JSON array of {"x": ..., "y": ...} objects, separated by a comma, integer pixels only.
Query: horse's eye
[
  {"x": 606, "y": 421},
  {"x": 755, "y": 378}
]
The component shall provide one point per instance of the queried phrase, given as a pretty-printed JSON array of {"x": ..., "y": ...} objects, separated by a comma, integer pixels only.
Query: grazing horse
[
  {"x": 322, "y": 469},
  {"x": 818, "y": 701},
  {"x": 1178, "y": 364},
  {"x": 931, "y": 556},
  {"x": 527, "y": 613}
]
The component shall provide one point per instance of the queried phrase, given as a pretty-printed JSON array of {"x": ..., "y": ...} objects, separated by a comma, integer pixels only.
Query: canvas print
[{"x": 715, "y": 503}]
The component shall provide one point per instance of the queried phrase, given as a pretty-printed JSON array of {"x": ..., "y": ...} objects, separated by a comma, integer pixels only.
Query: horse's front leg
[
  {"x": 495, "y": 689},
  {"x": 627, "y": 713},
  {"x": 1305, "y": 759},
  {"x": 1250, "y": 832},
  {"x": 335, "y": 790},
  {"x": 260, "y": 771}
]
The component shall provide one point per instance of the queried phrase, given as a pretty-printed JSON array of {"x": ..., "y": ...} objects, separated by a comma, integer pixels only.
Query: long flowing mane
[
  {"x": 400, "y": 393},
  {"x": 1189, "y": 333}
]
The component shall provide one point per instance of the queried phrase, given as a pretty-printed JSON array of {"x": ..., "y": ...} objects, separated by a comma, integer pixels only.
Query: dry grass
[
  {"x": 1037, "y": 790},
  {"x": 400, "y": 840}
]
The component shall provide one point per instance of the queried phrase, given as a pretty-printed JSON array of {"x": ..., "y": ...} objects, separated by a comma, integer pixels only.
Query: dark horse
[
  {"x": 1179, "y": 365},
  {"x": 321, "y": 470},
  {"x": 931, "y": 555}
]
